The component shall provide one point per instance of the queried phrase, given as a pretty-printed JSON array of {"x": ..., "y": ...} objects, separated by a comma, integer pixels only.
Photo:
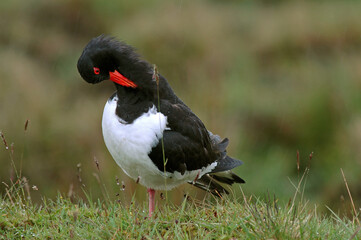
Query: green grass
[{"x": 247, "y": 218}]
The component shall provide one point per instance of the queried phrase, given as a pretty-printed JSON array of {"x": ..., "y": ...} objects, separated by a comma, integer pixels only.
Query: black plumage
[{"x": 188, "y": 145}]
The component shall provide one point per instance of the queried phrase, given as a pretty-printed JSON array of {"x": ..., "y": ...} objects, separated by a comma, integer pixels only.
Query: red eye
[{"x": 96, "y": 70}]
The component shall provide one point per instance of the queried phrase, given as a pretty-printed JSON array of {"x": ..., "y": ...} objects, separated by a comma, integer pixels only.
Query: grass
[
  {"x": 227, "y": 218},
  {"x": 73, "y": 217}
]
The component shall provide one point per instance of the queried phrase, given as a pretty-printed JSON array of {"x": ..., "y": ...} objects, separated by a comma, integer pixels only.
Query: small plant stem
[
  {"x": 349, "y": 194},
  {"x": 156, "y": 78},
  {"x": 11, "y": 154}
]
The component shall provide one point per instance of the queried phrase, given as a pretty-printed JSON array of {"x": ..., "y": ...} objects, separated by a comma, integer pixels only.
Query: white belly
[{"x": 130, "y": 144}]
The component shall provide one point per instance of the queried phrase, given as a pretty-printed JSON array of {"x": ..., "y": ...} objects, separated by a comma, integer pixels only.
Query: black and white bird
[{"x": 151, "y": 134}]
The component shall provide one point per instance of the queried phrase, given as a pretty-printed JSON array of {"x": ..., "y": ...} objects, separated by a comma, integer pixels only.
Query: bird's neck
[
  {"x": 126, "y": 92},
  {"x": 148, "y": 91}
]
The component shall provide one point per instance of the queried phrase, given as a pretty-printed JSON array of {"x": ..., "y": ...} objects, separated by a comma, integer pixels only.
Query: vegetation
[
  {"x": 228, "y": 217},
  {"x": 249, "y": 218}
]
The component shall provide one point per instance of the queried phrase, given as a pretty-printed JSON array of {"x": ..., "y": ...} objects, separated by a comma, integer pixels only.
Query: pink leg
[{"x": 151, "y": 201}]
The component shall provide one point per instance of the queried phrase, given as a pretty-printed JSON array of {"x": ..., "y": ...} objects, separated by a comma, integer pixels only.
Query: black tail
[
  {"x": 224, "y": 162},
  {"x": 213, "y": 182},
  {"x": 207, "y": 183},
  {"x": 222, "y": 173}
]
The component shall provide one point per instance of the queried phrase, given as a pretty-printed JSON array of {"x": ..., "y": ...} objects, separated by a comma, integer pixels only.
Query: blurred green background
[{"x": 275, "y": 77}]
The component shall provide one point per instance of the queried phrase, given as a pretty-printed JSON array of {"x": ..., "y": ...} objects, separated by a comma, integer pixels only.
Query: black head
[{"x": 105, "y": 58}]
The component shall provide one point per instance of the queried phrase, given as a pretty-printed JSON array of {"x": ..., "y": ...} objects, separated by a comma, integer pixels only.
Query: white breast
[{"x": 130, "y": 144}]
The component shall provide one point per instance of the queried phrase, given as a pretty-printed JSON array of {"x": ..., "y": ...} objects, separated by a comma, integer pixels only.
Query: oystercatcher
[{"x": 151, "y": 134}]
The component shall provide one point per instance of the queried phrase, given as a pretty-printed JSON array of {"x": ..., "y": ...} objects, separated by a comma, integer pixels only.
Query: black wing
[{"x": 187, "y": 145}]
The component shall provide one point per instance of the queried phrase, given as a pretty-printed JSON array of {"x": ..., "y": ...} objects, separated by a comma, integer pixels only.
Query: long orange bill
[{"x": 121, "y": 80}]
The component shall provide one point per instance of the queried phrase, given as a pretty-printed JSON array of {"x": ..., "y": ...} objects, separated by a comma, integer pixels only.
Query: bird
[{"x": 151, "y": 133}]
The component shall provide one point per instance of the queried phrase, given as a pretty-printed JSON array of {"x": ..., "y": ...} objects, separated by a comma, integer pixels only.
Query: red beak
[{"x": 121, "y": 80}]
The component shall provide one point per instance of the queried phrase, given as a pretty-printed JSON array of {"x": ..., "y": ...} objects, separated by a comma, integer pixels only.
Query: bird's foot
[{"x": 151, "y": 193}]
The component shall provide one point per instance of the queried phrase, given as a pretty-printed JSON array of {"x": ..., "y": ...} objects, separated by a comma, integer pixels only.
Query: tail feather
[
  {"x": 221, "y": 175},
  {"x": 227, "y": 177},
  {"x": 218, "y": 144},
  {"x": 207, "y": 183},
  {"x": 213, "y": 182},
  {"x": 226, "y": 163},
  {"x": 221, "y": 146}
]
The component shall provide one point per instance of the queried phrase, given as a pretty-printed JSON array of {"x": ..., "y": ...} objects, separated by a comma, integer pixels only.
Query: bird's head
[{"x": 105, "y": 58}]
